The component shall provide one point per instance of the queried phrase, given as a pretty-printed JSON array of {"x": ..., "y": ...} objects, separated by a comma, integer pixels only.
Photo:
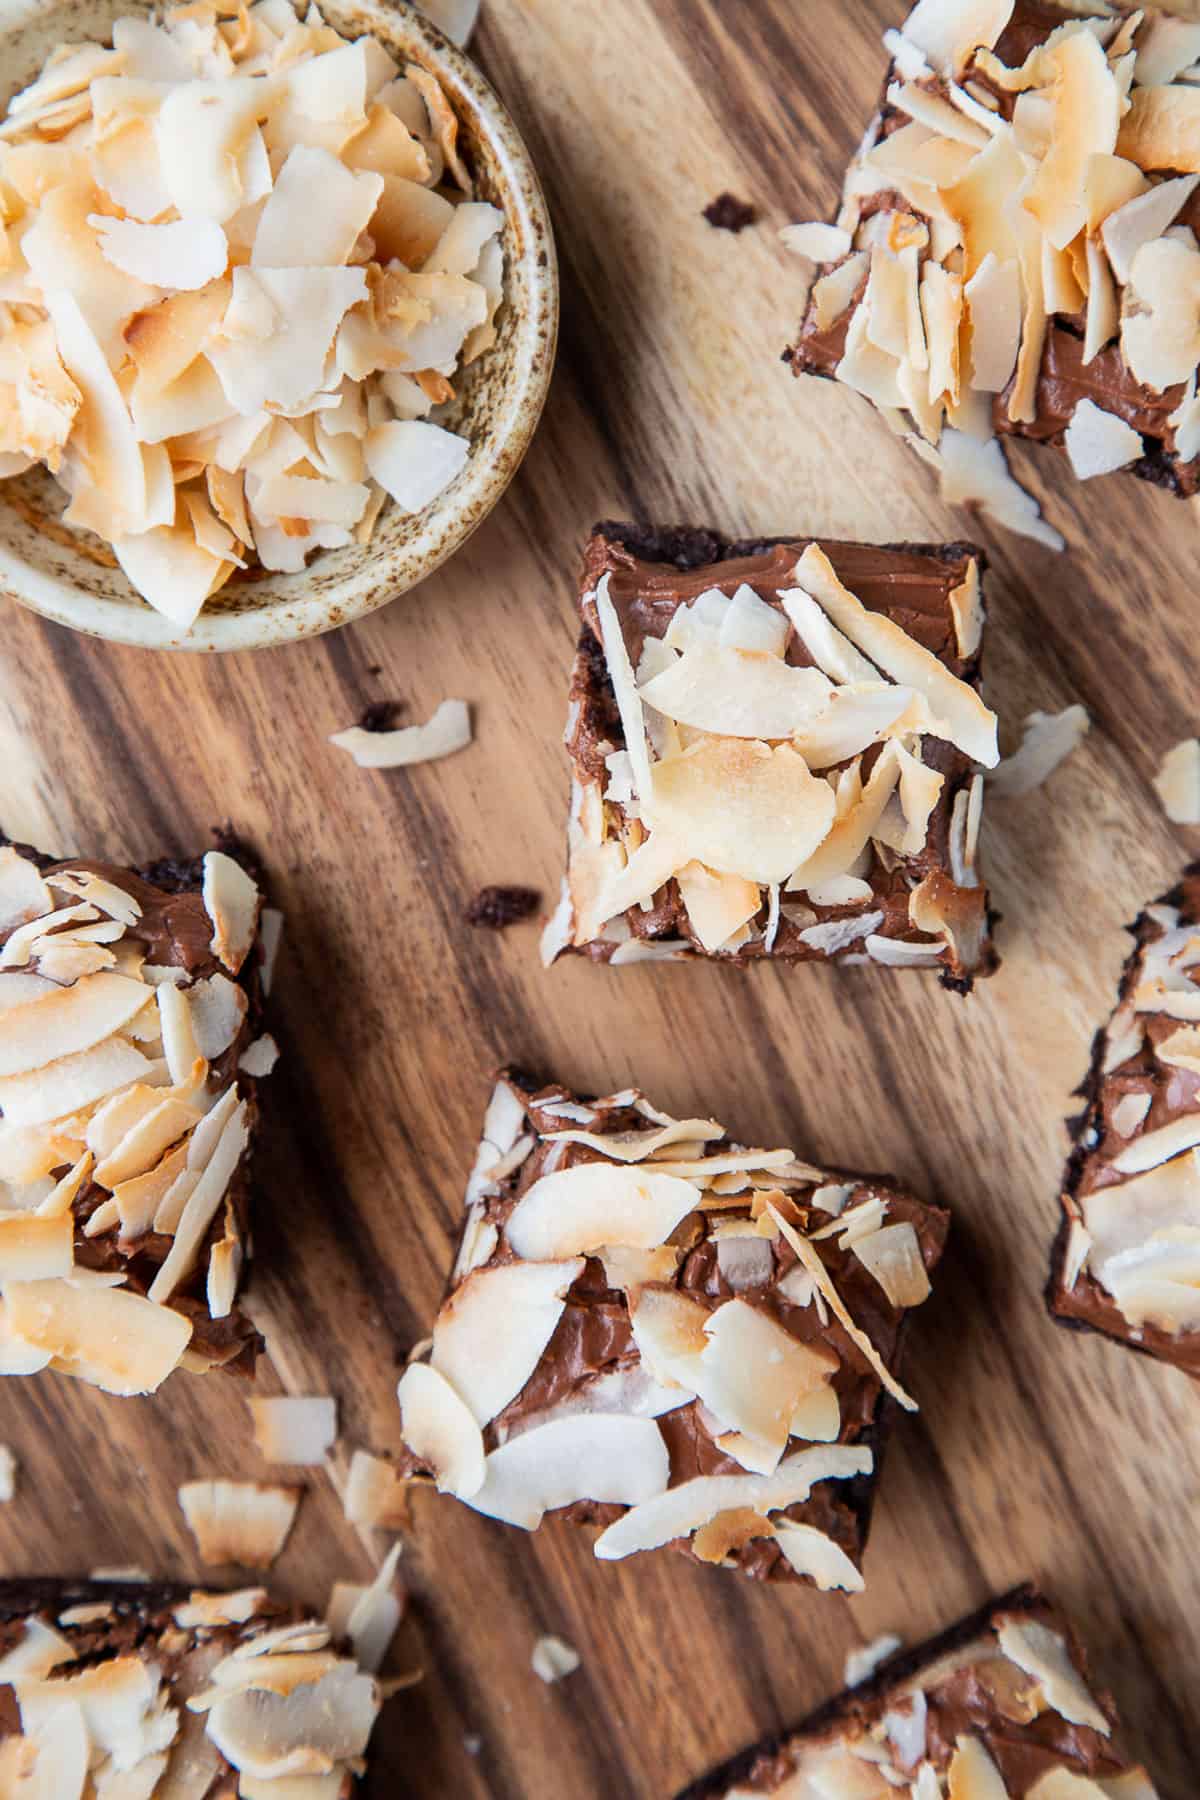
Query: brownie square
[
  {"x": 1001, "y": 1703},
  {"x": 652, "y": 1330},
  {"x": 1013, "y": 231},
  {"x": 130, "y": 1052},
  {"x": 812, "y": 762},
  {"x": 1127, "y": 1258},
  {"x": 148, "y": 1686}
]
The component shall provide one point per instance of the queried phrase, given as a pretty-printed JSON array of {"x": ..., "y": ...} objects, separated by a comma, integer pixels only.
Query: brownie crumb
[
  {"x": 381, "y": 715},
  {"x": 498, "y": 907},
  {"x": 728, "y": 213}
]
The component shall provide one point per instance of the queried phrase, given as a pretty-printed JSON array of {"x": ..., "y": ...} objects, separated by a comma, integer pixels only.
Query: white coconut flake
[
  {"x": 553, "y": 1659},
  {"x": 1098, "y": 443},
  {"x": 447, "y": 732},
  {"x": 862, "y": 1664},
  {"x": 1047, "y": 740},
  {"x": 1177, "y": 783}
]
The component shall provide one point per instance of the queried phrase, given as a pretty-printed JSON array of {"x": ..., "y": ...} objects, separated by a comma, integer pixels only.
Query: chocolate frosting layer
[
  {"x": 175, "y": 931},
  {"x": 654, "y": 571},
  {"x": 1172, "y": 1092},
  {"x": 974, "y": 1697},
  {"x": 593, "y": 1338}
]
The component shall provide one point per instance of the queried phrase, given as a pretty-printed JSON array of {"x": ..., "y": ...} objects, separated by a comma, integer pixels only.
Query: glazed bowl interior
[{"x": 73, "y": 577}]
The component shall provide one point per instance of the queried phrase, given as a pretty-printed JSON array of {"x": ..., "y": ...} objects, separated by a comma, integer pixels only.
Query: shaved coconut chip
[
  {"x": 1087, "y": 111},
  {"x": 737, "y": 693},
  {"x": 893, "y": 1256},
  {"x": 33, "y": 1248},
  {"x": 553, "y": 1659},
  {"x": 286, "y": 370},
  {"x": 231, "y": 901},
  {"x": 947, "y": 32},
  {"x": 629, "y": 702},
  {"x": 717, "y": 906},
  {"x": 298, "y": 1429},
  {"x": 440, "y": 1431},
  {"x": 182, "y": 1052},
  {"x": 1159, "y": 1146},
  {"x": 1143, "y": 219},
  {"x": 1098, "y": 443},
  {"x": 243, "y": 1522},
  {"x": 1047, "y": 740},
  {"x": 574, "y": 1211},
  {"x": 993, "y": 297},
  {"x": 315, "y": 212},
  {"x": 960, "y": 712},
  {"x": 681, "y": 1510},
  {"x": 415, "y": 461},
  {"x": 201, "y": 130},
  {"x": 813, "y": 1266},
  {"x": 976, "y": 473},
  {"x": 170, "y": 571},
  {"x": 260, "y": 1057},
  {"x": 68, "y": 1020},
  {"x": 447, "y": 732},
  {"x": 636, "y": 1146},
  {"x": 188, "y": 253},
  {"x": 829, "y": 648},
  {"x": 814, "y": 1554},
  {"x": 298, "y": 1726},
  {"x": 375, "y": 1494},
  {"x": 72, "y": 1082},
  {"x": 1129, "y": 1113},
  {"x": 24, "y": 896},
  {"x": 753, "y": 1375},
  {"x": 972, "y": 1773},
  {"x": 1161, "y": 130},
  {"x": 110, "y": 1337},
  {"x": 202, "y": 1204},
  {"x": 601, "y": 1457},
  {"x": 1042, "y": 1653},
  {"x": 850, "y": 835},
  {"x": 820, "y": 243},
  {"x": 368, "y": 1616},
  {"x": 741, "y": 807},
  {"x": 492, "y": 1332},
  {"x": 1178, "y": 782}
]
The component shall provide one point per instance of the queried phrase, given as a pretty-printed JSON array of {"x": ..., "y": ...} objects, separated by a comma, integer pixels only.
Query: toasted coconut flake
[
  {"x": 993, "y": 297},
  {"x": 315, "y": 212},
  {"x": 608, "y": 1458},
  {"x": 1160, "y": 1146},
  {"x": 753, "y": 1375},
  {"x": 71, "y": 1083},
  {"x": 1047, "y": 739},
  {"x": 811, "y": 1262},
  {"x": 960, "y": 713},
  {"x": 1161, "y": 130},
  {"x": 447, "y": 732},
  {"x": 737, "y": 693},
  {"x": 243, "y": 1522},
  {"x": 947, "y": 32},
  {"x": 741, "y": 807},
  {"x": 820, "y": 243},
  {"x": 637, "y": 1146},
  {"x": 108, "y": 1336},
  {"x": 893, "y": 1256},
  {"x": 976, "y": 473},
  {"x": 574, "y": 1211},
  {"x": 1044, "y": 1655},
  {"x": 1098, "y": 443},
  {"x": 68, "y": 1020},
  {"x": 368, "y": 1616},
  {"x": 24, "y": 896},
  {"x": 491, "y": 1334},
  {"x": 972, "y": 1773},
  {"x": 188, "y": 253},
  {"x": 375, "y": 1494},
  {"x": 816, "y": 1555},
  {"x": 440, "y": 1430},
  {"x": 34, "y": 1248},
  {"x": 298, "y": 1429},
  {"x": 1087, "y": 109},
  {"x": 298, "y": 1726},
  {"x": 1178, "y": 782},
  {"x": 681, "y": 1510},
  {"x": 553, "y": 1659},
  {"x": 231, "y": 901},
  {"x": 203, "y": 1202}
]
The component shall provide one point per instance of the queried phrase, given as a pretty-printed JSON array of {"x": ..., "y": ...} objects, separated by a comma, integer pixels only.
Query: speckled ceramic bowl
[{"x": 72, "y": 578}]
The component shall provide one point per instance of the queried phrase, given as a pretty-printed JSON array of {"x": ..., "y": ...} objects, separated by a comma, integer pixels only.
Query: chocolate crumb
[
  {"x": 728, "y": 213},
  {"x": 498, "y": 907},
  {"x": 381, "y": 715}
]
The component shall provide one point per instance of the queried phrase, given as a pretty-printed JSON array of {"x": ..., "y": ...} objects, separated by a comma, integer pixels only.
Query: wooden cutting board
[{"x": 1036, "y": 1452}]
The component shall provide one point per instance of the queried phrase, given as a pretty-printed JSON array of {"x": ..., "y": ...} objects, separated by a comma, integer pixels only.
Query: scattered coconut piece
[
  {"x": 1043, "y": 1654},
  {"x": 447, "y": 732},
  {"x": 862, "y": 1664},
  {"x": 1178, "y": 782},
  {"x": 815, "y": 1554},
  {"x": 368, "y": 1616},
  {"x": 375, "y": 1495},
  {"x": 1047, "y": 740},
  {"x": 243, "y": 1522},
  {"x": 296, "y": 1429},
  {"x": 1098, "y": 443},
  {"x": 553, "y": 1659}
]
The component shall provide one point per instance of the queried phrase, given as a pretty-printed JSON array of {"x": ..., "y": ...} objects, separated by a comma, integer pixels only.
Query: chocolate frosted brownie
[
  {"x": 1000, "y": 1707},
  {"x": 132, "y": 1689},
  {"x": 1127, "y": 1260},
  {"x": 1016, "y": 245},
  {"x": 655, "y": 1331},
  {"x": 130, "y": 1049},
  {"x": 776, "y": 750}
]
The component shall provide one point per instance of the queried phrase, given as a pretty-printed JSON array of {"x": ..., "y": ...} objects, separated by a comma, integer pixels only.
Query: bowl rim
[{"x": 515, "y": 417}]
